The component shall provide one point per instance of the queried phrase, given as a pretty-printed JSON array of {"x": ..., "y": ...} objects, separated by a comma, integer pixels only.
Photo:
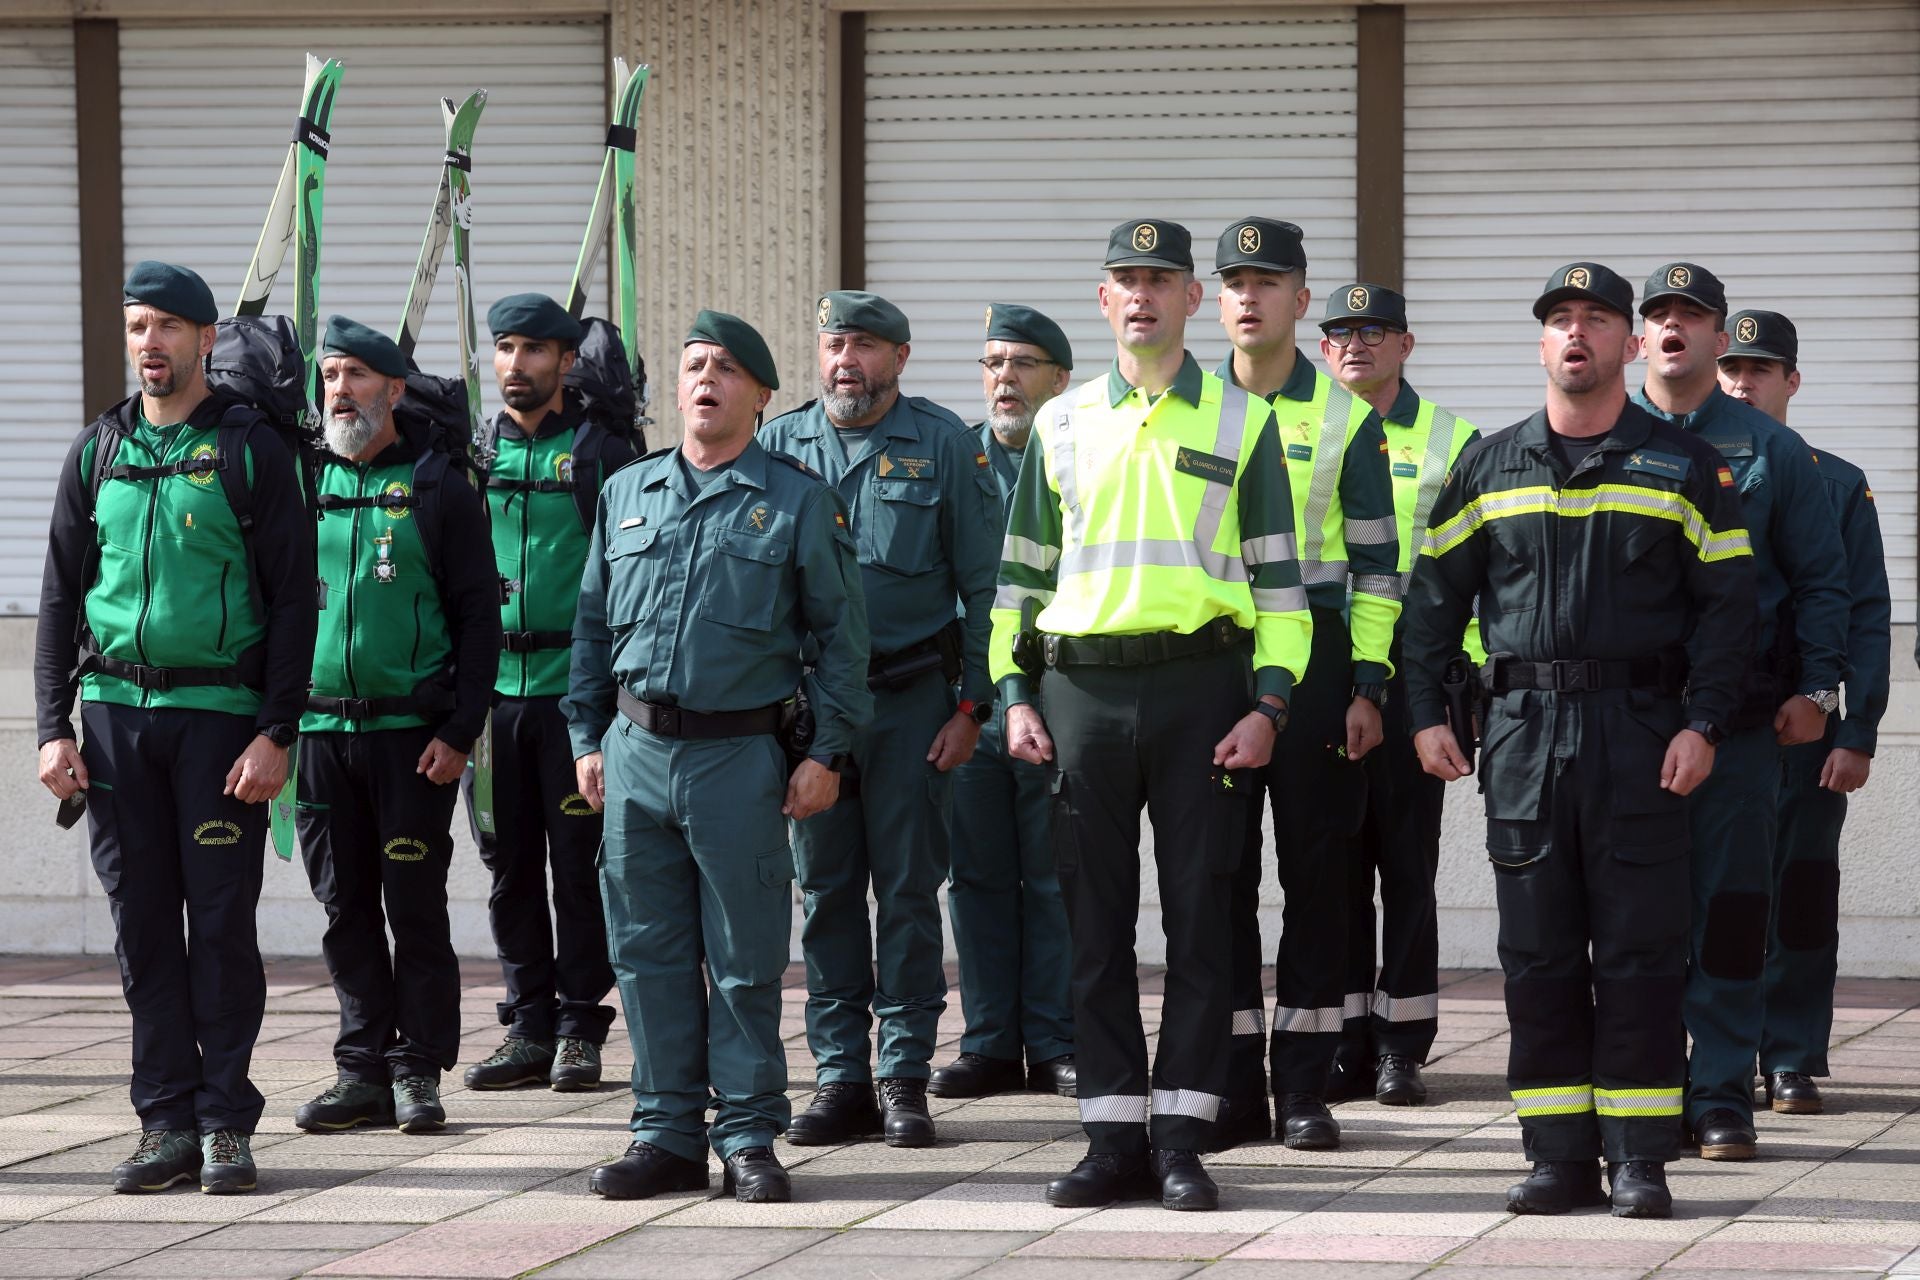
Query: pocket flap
[
  {"x": 626, "y": 542},
  {"x": 917, "y": 492},
  {"x": 753, "y": 546}
]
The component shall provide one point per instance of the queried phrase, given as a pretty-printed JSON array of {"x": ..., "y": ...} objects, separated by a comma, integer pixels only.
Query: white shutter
[
  {"x": 1776, "y": 144},
  {"x": 207, "y": 111},
  {"x": 1001, "y": 150},
  {"x": 39, "y": 263}
]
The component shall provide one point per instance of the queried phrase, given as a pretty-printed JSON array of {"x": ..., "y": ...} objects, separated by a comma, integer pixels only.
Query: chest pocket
[
  {"x": 901, "y": 531},
  {"x": 743, "y": 581},
  {"x": 636, "y": 563}
]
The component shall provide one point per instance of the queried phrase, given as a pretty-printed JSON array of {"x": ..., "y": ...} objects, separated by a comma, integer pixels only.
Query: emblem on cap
[
  {"x": 1577, "y": 278},
  {"x": 989, "y": 315},
  {"x": 1145, "y": 237},
  {"x": 826, "y": 309},
  {"x": 1356, "y": 299},
  {"x": 1679, "y": 278},
  {"x": 1249, "y": 239},
  {"x": 1747, "y": 330}
]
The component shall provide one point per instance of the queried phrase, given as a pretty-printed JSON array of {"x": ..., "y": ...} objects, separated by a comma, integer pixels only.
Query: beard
[
  {"x": 1015, "y": 428},
  {"x": 349, "y": 437},
  {"x": 854, "y": 406},
  {"x": 530, "y": 396},
  {"x": 164, "y": 385},
  {"x": 1576, "y": 382}
]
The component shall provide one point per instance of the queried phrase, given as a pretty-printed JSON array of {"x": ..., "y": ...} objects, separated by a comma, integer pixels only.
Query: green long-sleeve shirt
[{"x": 1870, "y": 614}]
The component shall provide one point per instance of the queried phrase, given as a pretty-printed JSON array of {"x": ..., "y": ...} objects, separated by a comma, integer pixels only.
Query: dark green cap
[
  {"x": 174, "y": 290},
  {"x": 533, "y": 315},
  {"x": 1365, "y": 302},
  {"x": 847, "y": 310},
  {"x": 1587, "y": 280},
  {"x": 1762, "y": 335},
  {"x": 741, "y": 340},
  {"x": 1267, "y": 243},
  {"x": 1150, "y": 242},
  {"x": 369, "y": 346},
  {"x": 1684, "y": 280},
  {"x": 1011, "y": 322}
]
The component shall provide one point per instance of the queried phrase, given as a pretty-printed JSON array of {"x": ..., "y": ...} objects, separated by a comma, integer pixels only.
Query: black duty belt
[
  {"x": 675, "y": 722},
  {"x": 1142, "y": 650},
  {"x": 249, "y": 671},
  {"x": 940, "y": 651},
  {"x": 534, "y": 641},
  {"x": 369, "y": 708},
  {"x": 1585, "y": 675}
]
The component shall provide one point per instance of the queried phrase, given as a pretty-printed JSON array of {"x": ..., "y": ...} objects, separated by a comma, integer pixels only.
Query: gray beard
[
  {"x": 349, "y": 437},
  {"x": 1013, "y": 429},
  {"x": 855, "y": 406}
]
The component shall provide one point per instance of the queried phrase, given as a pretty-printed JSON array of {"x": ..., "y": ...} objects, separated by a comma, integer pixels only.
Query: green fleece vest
[{"x": 540, "y": 549}]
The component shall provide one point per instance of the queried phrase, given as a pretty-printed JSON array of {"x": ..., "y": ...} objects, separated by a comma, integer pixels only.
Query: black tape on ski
[
  {"x": 458, "y": 161},
  {"x": 312, "y": 136},
  {"x": 621, "y": 136}
]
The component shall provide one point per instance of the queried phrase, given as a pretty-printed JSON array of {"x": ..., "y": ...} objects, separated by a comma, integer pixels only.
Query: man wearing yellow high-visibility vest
[
  {"x": 1391, "y": 1021},
  {"x": 1152, "y": 529},
  {"x": 1349, "y": 559}
]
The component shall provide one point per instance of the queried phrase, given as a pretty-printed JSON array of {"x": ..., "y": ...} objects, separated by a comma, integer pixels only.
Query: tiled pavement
[{"x": 502, "y": 1192}]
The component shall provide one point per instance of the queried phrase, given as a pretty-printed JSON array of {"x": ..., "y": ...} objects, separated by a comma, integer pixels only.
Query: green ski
[
  {"x": 277, "y": 235},
  {"x": 460, "y": 181},
  {"x": 616, "y": 188},
  {"x": 310, "y": 185},
  {"x": 627, "y": 233},
  {"x": 280, "y": 808},
  {"x": 460, "y": 124}
]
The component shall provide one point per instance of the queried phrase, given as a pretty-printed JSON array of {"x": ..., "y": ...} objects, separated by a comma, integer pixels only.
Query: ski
[
  {"x": 310, "y": 185},
  {"x": 280, "y": 823},
  {"x": 460, "y": 124},
  {"x": 276, "y": 236},
  {"x": 460, "y": 182},
  {"x": 627, "y": 89},
  {"x": 627, "y": 232}
]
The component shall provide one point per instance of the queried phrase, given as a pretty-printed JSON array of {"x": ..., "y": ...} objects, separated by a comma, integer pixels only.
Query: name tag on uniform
[
  {"x": 1300, "y": 452},
  {"x": 634, "y": 523},
  {"x": 1209, "y": 467},
  {"x": 1671, "y": 466},
  {"x": 1406, "y": 471},
  {"x": 909, "y": 468}
]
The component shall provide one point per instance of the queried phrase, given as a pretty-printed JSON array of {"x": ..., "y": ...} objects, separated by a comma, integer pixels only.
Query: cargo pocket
[
  {"x": 634, "y": 558},
  {"x": 1066, "y": 839},
  {"x": 775, "y": 866},
  {"x": 902, "y": 531},
  {"x": 1646, "y": 822},
  {"x": 743, "y": 582},
  {"x": 1513, "y": 774}
]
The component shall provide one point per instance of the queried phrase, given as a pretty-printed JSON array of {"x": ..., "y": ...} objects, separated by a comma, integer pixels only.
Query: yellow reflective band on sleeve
[
  {"x": 1625, "y": 499},
  {"x": 1560, "y": 1100},
  {"x": 1638, "y": 1102}
]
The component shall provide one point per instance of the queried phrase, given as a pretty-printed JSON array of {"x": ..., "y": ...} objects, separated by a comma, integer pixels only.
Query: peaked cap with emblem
[
  {"x": 1587, "y": 280},
  {"x": 1149, "y": 242},
  {"x": 1362, "y": 301},
  {"x": 741, "y": 340},
  {"x": 174, "y": 290},
  {"x": 533, "y": 315},
  {"x": 369, "y": 346},
  {"x": 1684, "y": 280},
  {"x": 1011, "y": 322},
  {"x": 849, "y": 310},
  {"x": 1267, "y": 243},
  {"x": 1762, "y": 335}
]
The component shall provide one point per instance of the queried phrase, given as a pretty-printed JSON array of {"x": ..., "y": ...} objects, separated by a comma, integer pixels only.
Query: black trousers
[
  {"x": 166, "y": 842},
  {"x": 377, "y": 841},
  {"x": 555, "y": 967},
  {"x": 1399, "y": 843},
  {"x": 1318, "y": 797},
  {"x": 1126, "y": 737}
]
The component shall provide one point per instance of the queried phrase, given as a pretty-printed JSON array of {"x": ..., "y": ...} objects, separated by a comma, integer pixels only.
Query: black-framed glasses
[
  {"x": 1021, "y": 364},
  {"x": 1371, "y": 334}
]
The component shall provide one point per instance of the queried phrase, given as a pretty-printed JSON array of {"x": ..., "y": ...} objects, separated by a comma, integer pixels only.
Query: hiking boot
[
  {"x": 1794, "y": 1093},
  {"x": 516, "y": 1062},
  {"x": 416, "y": 1104},
  {"x": 345, "y": 1104},
  {"x": 576, "y": 1068},
  {"x": 164, "y": 1157},
  {"x": 840, "y": 1112},
  {"x": 903, "y": 1112},
  {"x": 1640, "y": 1189},
  {"x": 1556, "y": 1186},
  {"x": 226, "y": 1162}
]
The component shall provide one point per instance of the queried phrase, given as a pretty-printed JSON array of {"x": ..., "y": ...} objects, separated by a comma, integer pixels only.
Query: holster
[{"x": 1466, "y": 703}]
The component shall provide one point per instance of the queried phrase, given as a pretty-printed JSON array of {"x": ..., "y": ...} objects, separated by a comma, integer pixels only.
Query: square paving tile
[{"x": 483, "y": 1250}]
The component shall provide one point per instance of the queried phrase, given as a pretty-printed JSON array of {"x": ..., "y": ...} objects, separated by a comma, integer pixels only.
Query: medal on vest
[{"x": 384, "y": 569}]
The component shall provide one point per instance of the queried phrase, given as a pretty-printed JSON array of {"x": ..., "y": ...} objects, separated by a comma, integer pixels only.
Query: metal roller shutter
[
  {"x": 206, "y": 113},
  {"x": 39, "y": 262},
  {"x": 1776, "y": 143},
  {"x": 1000, "y": 150}
]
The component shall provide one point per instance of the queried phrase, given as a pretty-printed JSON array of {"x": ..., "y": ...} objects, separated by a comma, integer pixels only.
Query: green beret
[
  {"x": 741, "y": 340},
  {"x": 1363, "y": 301},
  {"x": 846, "y": 310},
  {"x": 369, "y": 346},
  {"x": 1763, "y": 335},
  {"x": 1011, "y": 322},
  {"x": 533, "y": 315},
  {"x": 1149, "y": 242},
  {"x": 174, "y": 290}
]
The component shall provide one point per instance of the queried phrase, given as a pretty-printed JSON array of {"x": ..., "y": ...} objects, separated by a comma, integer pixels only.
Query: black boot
[
  {"x": 645, "y": 1170},
  {"x": 1055, "y": 1075},
  {"x": 1241, "y": 1120},
  {"x": 903, "y": 1112},
  {"x": 1184, "y": 1181},
  {"x": 1102, "y": 1179},
  {"x": 1725, "y": 1135},
  {"x": 1351, "y": 1076},
  {"x": 1640, "y": 1189},
  {"x": 1556, "y": 1186},
  {"x": 975, "y": 1075},
  {"x": 754, "y": 1176},
  {"x": 1306, "y": 1124},
  {"x": 1397, "y": 1081},
  {"x": 840, "y": 1112},
  {"x": 1794, "y": 1093}
]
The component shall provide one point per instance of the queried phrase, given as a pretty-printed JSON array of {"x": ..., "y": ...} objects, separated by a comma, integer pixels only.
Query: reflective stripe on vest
[{"x": 1438, "y": 423}]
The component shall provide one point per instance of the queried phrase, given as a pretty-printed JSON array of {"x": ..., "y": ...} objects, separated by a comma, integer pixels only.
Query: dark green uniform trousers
[
  {"x": 891, "y": 836},
  {"x": 1124, "y": 737},
  {"x": 1803, "y": 946},
  {"x": 695, "y": 867},
  {"x": 1736, "y": 826},
  {"x": 1009, "y": 924}
]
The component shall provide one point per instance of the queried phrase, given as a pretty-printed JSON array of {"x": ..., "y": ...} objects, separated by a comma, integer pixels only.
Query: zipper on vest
[{"x": 226, "y": 567}]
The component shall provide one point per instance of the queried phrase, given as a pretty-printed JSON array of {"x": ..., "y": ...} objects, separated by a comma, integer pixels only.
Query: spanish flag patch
[
  {"x": 979, "y": 459},
  {"x": 1383, "y": 446},
  {"x": 1869, "y": 493},
  {"x": 839, "y": 519},
  {"x": 1726, "y": 477}
]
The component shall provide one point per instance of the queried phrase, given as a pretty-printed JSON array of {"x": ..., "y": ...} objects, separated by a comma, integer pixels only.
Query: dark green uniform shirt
[{"x": 1870, "y": 615}]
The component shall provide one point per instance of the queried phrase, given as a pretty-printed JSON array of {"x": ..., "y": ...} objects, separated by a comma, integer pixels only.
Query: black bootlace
[
  {"x": 151, "y": 1140},
  {"x": 415, "y": 1088},
  {"x": 225, "y": 1147},
  {"x": 573, "y": 1053},
  {"x": 904, "y": 1092}
]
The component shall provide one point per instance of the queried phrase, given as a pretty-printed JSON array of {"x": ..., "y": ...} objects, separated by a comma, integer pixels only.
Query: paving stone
[
  {"x": 344, "y": 1237},
  {"x": 482, "y": 1250},
  {"x": 1751, "y": 1255},
  {"x": 223, "y": 1264},
  {"x": 1137, "y": 1244},
  {"x": 1281, "y": 1270},
  {"x": 1516, "y": 1251},
  {"x": 981, "y": 1206},
  {"x": 716, "y": 1253},
  {"x": 876, "y": 1242},
  {"x": 938, "y": 1266},
  {"x": 1569, "y": 1269},
  {"x": 1329, "y": 1247},
  {"x": 100, "y": 1235},
  {"x": 1084, "y": 1269},
  {"x": 61, "y": 1262}
]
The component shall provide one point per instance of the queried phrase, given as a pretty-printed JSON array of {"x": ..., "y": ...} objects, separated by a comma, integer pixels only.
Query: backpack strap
[{"x": 589, "y": 470}]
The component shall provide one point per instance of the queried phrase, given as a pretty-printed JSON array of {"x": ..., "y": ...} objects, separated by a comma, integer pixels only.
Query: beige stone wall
[{"x": 738, "y": 207}]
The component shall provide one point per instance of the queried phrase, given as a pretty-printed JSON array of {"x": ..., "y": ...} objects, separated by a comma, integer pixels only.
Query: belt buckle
[
  {"x": 666, "y": 721},
  {"x": 1576, "y": 675},
  {"x": 155, "y": 679},
  {"x": 1133, "y": 651}
]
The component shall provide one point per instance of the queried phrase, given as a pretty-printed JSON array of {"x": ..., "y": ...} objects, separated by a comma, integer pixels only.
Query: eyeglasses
[
  {"x": 1373, "y": 334},
  {"x": 1021, "y": 364}
]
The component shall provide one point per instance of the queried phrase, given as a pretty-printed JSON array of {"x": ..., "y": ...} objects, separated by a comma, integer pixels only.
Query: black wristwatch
[
  {"x": 1707, "y": 729},
  {"x": 280, "y": 735},
  {"x": 1276, "y": 714},
  {"x": 1374, "y": 693},
  {"x": 833, "y": 763}
]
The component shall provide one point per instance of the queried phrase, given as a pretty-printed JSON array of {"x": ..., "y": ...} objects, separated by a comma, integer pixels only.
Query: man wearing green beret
[
  {"x": 713, "y": 567},
  {"x": 548, "y": 460},
  {"x": 1349, "y": 558},
  {"x": 188, "y": 637},
  {"x": 402, "y": 676},
  {"x": 921, "y": 497},
  {"x": 1761, "y": 367},
  {"x": 1391, "y": 1022},
  {"x": 1009, "y": 926}
]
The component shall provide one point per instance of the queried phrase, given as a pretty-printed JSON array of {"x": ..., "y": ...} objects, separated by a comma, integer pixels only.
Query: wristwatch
[
  {"x": 1276, "y": 714},
  {"x": 1707, "y": 729},
  {"x": 978, "y": 712},
  {"x": 280, "y": 735},
  {"x": 833, "y": 763},
  {"x": 1374, "y": 693},
  {"x": 1828, "y": 700}
]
